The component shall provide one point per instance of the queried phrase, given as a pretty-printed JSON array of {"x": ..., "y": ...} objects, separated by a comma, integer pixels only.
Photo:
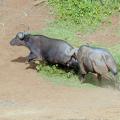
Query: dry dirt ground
[
  {"x": 107, "y": 34},
  {"x": 24, "y": 95}
]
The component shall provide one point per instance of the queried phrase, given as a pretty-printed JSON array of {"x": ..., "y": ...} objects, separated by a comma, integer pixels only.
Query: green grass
[
  {"x": 60, "y": 76},
  {"x": 85, "y": 13}
]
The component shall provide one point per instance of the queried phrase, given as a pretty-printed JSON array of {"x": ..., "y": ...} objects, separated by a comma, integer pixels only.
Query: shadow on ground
[{"x": 32, "y": 65}]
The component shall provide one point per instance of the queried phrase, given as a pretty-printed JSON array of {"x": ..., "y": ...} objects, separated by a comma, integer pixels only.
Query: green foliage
[
  {"x": 84, "y": 12},
  {"x": 62, "y": 76},
  {"x": 54, "y": 70}
]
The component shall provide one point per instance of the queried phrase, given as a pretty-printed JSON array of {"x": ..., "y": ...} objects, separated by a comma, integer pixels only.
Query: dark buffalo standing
[
  {"x": 95, "y": 60},
  {"x": 54, "y": 51}
]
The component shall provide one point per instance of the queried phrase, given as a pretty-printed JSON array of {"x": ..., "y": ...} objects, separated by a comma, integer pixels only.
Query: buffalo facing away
[
  {"x": 95, "y": 60},
  {"x": 54, "y": 51}
]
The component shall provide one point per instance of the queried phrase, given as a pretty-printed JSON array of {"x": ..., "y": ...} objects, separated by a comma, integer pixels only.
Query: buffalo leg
[
  {"x": 82, "y": 78},
  {"x": 82, "y": 72},
  {"x": 99, "y": 77},
  {"x": 31, "y": 57}
]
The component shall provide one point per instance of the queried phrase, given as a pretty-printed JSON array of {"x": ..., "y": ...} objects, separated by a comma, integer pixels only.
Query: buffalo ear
[{"x": 21, "y": 35}]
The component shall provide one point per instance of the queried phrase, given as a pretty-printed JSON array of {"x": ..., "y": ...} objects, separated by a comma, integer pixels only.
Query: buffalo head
[{"x": 20, "y": 38}]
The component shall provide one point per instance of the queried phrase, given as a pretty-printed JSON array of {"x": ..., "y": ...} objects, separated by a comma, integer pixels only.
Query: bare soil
[
  {"x": 24, "y": 95},
  {"x": 107, "y": 34}
]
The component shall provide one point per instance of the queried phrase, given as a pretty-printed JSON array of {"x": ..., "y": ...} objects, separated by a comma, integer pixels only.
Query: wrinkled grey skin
[
  {"x": 43, "y": 48},
  {"x": 94, "y": 60}
]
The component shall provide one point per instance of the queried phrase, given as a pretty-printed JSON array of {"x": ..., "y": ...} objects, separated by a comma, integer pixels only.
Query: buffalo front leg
[
  {"x": 31, "y": 57},
  {"x": 82, "y": 78}
]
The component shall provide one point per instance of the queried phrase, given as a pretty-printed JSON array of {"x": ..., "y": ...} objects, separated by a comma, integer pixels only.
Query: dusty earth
[
  {"x": 24, "y": 95},
  {"x": 107, "y": 34}
]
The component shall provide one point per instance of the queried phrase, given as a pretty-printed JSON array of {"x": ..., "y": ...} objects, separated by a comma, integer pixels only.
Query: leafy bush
[{"x": 84, "y": 11}]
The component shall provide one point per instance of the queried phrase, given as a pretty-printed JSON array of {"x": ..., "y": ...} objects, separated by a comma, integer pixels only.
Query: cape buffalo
[
  {"x": 95, "y": 60},
  {"x": 54, "y": 51}
]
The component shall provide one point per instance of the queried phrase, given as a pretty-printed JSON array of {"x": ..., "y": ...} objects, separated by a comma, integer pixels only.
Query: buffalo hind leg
[
  {"x": 99, "y": 77},
  {"x": 82, "y": 78}
]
